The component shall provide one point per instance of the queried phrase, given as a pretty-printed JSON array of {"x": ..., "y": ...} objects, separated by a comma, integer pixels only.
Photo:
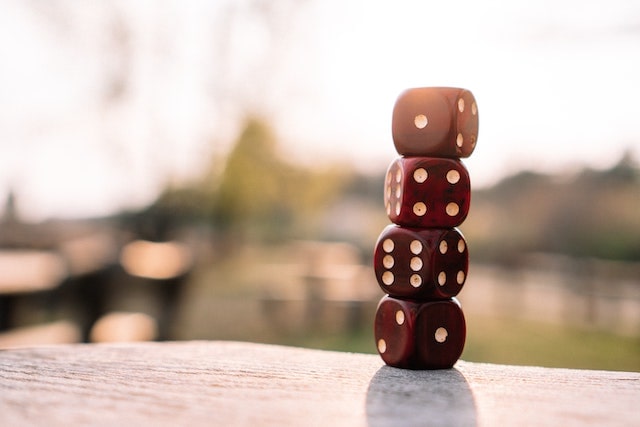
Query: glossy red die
[
  {"x": 419, "y": 335},
  {"x": 435, "y": 121},
  {"x": 421, "y": 263},
  {"x": 427, "y": 192}
]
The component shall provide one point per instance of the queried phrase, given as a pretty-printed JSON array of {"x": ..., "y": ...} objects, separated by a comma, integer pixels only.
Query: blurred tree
[
  {"x": 251, "y": 188},
  {"x": 260, "y": 195},
  {"x": 593, "y": 213},
  {"x": 596, "y": 213}
]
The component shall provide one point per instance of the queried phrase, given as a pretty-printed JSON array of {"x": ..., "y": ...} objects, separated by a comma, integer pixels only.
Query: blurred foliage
[
  {"x": 256, "y": 195},
  {"x": 592, "y": 213},
  {"x": 253, "y": 188}
]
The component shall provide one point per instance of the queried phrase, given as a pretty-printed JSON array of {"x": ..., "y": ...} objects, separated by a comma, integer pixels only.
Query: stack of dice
[{"x": 421, "y": 260}]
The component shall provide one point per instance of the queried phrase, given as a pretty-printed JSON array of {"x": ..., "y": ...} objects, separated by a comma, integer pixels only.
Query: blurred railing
[
  {"x": 102, "y": 289},
  {"x": 590, "y": 293},
  {"x": 84, "y": 285}
]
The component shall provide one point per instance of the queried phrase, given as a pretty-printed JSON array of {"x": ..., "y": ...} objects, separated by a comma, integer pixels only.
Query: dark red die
[
  {"x": 427, "y": 192},
  {"x": 429, "y": 263},
  {"x": 419, "y": 335},
  {"x": 435, "y": 121}
]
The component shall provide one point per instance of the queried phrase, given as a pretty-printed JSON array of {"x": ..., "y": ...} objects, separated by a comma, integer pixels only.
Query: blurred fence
[
  {"x": 87, "y": 284},
  {"x": 588, "y": 293},
  {"x": 303, "y": 289},
  {"x": 324, "y": 287}
]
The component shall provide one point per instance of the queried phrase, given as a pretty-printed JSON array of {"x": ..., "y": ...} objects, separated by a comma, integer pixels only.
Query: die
[
  {"x": 427, "y": 192},
  {"x": 435, "y": 121},
  {"x": 419, "y": 334},
  {"x": 421, "y": 263}
]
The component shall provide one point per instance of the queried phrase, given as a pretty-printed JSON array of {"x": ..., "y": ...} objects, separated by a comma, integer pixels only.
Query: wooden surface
[{"x": 230, "y": 383}]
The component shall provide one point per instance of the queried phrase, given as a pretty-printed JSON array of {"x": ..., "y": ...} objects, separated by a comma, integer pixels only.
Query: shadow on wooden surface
[{"x": 418, "y": 398}]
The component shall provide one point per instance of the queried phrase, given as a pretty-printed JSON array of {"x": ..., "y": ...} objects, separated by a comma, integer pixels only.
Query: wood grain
[{"x": 231, "y": 383}]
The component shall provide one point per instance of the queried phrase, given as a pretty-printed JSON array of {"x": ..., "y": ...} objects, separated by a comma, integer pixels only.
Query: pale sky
[{"x": 556, "y": 83}]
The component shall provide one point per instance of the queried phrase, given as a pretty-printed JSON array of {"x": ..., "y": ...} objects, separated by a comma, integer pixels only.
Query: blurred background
[{"x": 214, "y": 170}]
